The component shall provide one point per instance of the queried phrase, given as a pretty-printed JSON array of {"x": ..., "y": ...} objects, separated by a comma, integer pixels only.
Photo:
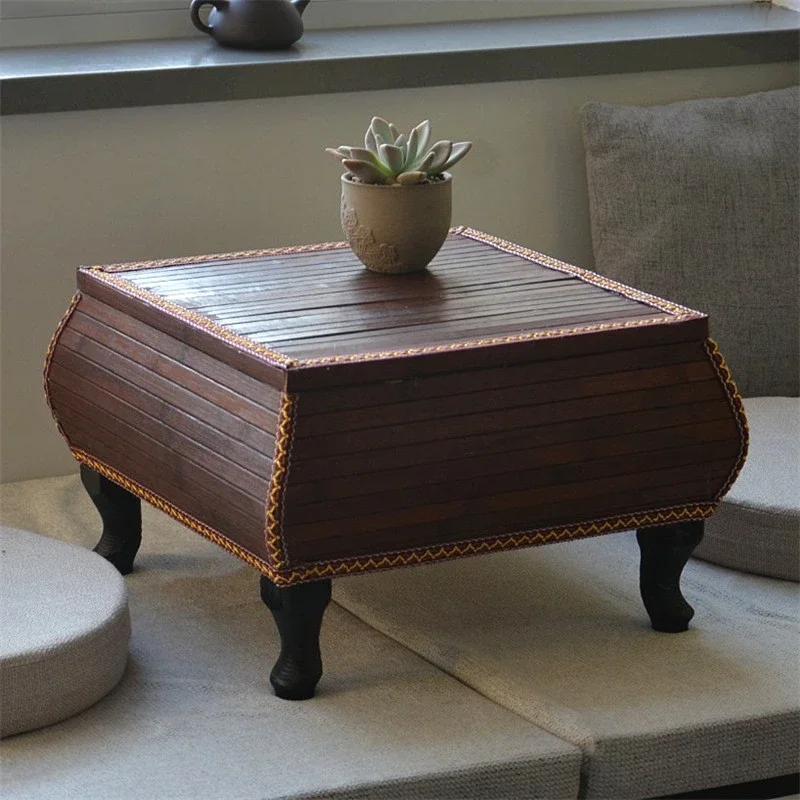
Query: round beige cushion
[
  {"x": 64, "y": 630},
  {"x": 757, "y": 527}
]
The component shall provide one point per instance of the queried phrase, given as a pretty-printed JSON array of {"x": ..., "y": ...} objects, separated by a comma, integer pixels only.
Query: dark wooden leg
[
  {"x": 298, "y": 614},
  {"x": 121, "y": 513},
  {"x": 665, "y": 551}
]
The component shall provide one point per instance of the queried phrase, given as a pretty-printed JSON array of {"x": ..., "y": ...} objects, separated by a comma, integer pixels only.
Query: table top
[{"x": 316, "y": 305}]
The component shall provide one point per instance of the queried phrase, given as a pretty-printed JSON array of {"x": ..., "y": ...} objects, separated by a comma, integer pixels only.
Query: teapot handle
[{"x": 194, "y": 13}]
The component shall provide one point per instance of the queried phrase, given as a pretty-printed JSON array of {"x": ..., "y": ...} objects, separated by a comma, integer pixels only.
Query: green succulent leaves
[
  {"x": 389, "y": 156},
  {"x": 394, "y": 157}
]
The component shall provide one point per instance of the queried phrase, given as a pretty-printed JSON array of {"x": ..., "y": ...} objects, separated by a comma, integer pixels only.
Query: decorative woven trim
[
  {"x": 737, "y": 407},
  {"x": 274, "y": 357},
  {"x": 552, "y": 333},
  {"x": 270, "y": 356},
  {"x": 423, "y": 555},
  {"x": 584, "y": 274},
  {"x": 351, "y": 566},
  {"x": 173, "y": 511},
  {"x": 278, "y": 573},
  {"x": 51, "y": 348},
  {"x": 276, "y": 547},
  {"x": 393, "y": 560},
  {"x": 275, "y": 567},
  {"x": 460, "y": 230},
  {"x": 680, "y": 313},
  {"x": 413, "y": 557},
  {"x": 178, "y": 262}
]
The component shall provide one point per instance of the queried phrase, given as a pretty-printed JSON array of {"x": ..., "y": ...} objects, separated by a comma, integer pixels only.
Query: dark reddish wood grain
[
  {"x": 410, "y": 313},
  {"x": 544, "y": 444},
  {"x": 405, "y": 366},
  {"x": 180, "y": 329},
  {"x": 466, "y": 463},
  {"x": 169, "y": 381},
  {"x": 465, "y": 520},
  {"x": 317, "y": 305},
  {"x": 221, "y": 505},
  {"x": 179, "y": 430},
  {"x": 475, "y": 399},
  {"x": 694, "y": 415},
  {"x": 179, "y": 351},
  {"x": 167, "y": 416},
  {"x": 430, "y": 386},
  {"x": 515, "y": 477},
  {"x": 483, "y": 422},
  {"x": 487, "y": 396}
]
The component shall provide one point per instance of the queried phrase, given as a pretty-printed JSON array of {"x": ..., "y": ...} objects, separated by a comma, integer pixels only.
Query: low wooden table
[{"x": 319, "y": 420}]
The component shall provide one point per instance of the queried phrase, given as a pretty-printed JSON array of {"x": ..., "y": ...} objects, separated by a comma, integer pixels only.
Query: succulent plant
[{"x": 390, "y": 157}]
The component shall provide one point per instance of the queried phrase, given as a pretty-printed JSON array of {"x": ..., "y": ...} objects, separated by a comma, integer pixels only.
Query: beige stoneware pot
[{"x": 396, "y": 229}]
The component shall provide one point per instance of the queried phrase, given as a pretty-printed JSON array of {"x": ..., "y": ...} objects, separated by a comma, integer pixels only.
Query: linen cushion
[
  {"x": 194, "y": 718},
  {"x": 698, "y": 202},
  {"x": 64, "y": 630},
  {"x": 558, "y": 634},
  {"x": 757, "y": 527}
]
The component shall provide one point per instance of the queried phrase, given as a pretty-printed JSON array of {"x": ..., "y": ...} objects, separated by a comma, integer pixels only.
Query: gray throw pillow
[{"x": 698, "y": 202}]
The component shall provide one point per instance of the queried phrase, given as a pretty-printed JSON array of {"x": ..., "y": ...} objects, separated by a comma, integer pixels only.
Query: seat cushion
[
  {"x": 558, "y": 634},
  {"x": 64, "y": 630},
  {"x": 757, "y": 527},
  {"x": 699, "y": 202},
  {"x": 194, "y": 717}
]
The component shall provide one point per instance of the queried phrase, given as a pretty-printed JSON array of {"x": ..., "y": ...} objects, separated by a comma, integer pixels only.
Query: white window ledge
[{"x": 159, "y": 72}]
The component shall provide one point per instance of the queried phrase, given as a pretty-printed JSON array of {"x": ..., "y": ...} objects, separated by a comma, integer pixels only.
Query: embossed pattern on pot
[{"x": 396, "y": 229}]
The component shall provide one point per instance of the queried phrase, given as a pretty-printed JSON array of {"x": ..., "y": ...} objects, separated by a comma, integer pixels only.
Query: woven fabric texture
[
  {"x": 558, "y": 634},
  {"x": 699, "y": 202},
  {"x": 64, "y": 630},
  {"x": 757, "y": 527},
  {"x": 194, "y": 717}
]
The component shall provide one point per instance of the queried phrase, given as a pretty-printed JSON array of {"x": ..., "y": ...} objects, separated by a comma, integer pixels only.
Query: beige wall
[{"x": 102, "y": 186}]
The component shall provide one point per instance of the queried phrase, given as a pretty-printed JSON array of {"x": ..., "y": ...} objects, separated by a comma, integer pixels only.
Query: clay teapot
[{"x": 252, "y": 24}]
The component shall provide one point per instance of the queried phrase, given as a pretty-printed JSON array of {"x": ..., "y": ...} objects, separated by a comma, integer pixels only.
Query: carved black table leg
[
  {"x": 298, "y": 614},
  {"x": 121, "y": 513},
  {"x": 665, "y": 551}
]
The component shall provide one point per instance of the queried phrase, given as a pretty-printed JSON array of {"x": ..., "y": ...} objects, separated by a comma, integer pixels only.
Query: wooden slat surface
[
  {"x": 363, "y": 318},
  {"x": 484, "y": 461},
  {"x": 508, "y": 512},
  {"x": 160, "y": 419},
  {"x": 490, "y": 400},
  {"x": 424, "y": 336},
  {"x": 183, "y": 330},
  {"x": 486, "y": 396},
  {"x": 428, "y": 391},
  {"x": 515, "y": 477},
  {"x": 236, "y": 305},
  {"x": 179, "y": 351},
  {"x": 400, "y": 366},
  {"x": 96, "y": 431},
  {"x": 695, "y": 414},
  {"x": 504, "y": 419},
  {"x": 193, "y": 430},
  {"x": 176, "y": 386},
  {"x": 318, "y": 305},
  {"x": 395, "y": 465}
]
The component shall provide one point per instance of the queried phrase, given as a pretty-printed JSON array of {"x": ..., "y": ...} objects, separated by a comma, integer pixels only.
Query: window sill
[{"x": 159, "y": 72}]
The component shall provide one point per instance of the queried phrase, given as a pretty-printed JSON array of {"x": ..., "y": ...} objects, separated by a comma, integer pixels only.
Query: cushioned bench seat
[
  {"x": 194, "y": 716},
  {"x": 757, "y": 527},
  {"x": 555, "y": 634}
]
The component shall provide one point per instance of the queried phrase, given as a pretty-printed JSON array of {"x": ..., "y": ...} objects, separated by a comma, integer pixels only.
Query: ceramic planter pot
[{"x": 396, "y": 229}]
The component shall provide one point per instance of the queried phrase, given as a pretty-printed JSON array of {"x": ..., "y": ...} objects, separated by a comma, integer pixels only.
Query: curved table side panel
[
  {"x": 171, "y": 424},
  {"x": 515, "y": 457}
]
